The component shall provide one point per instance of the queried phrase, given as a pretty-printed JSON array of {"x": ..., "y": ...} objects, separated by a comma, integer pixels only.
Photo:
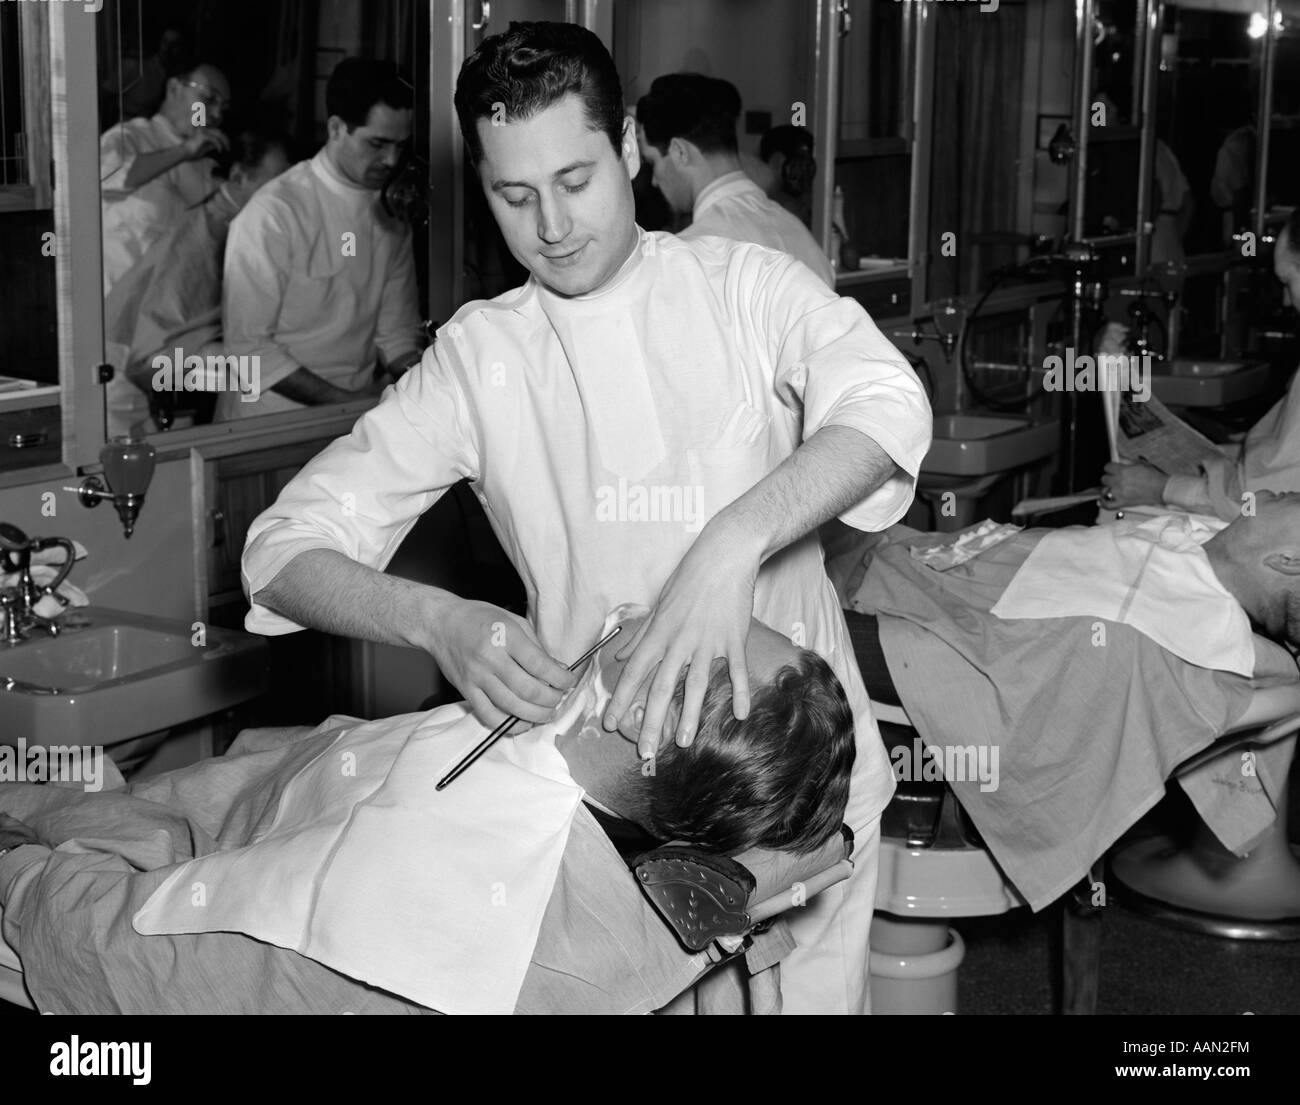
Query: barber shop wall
[{"x": 152, "y": 573}]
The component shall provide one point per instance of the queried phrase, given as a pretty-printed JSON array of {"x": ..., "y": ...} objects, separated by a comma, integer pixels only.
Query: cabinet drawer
[{"x": 882, "y": 298}]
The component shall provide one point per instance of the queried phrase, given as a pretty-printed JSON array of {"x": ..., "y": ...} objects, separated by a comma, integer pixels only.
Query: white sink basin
[
  {"x": 981, "y": 444},
  {"x": 112, "y": 675},
  {"x": 1192, "y": 383}
]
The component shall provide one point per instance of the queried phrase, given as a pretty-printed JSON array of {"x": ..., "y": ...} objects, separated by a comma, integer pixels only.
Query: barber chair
[
  {"x": 1204, "y": 888},
  {"x": 719, "y": 904},
  {"x": 705, "y": 897},
  {"x": 934, "y": 867}
]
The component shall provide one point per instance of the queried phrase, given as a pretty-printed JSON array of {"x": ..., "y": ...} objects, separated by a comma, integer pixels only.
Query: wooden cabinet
[{"x": 313, "y": 674}]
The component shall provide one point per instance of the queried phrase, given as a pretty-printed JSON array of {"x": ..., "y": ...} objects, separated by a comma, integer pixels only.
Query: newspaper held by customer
[{"x": 1151, "y": 432}]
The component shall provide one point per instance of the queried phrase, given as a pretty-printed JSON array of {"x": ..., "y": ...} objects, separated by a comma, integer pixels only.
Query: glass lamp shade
[{"x": 128, "y": 465}]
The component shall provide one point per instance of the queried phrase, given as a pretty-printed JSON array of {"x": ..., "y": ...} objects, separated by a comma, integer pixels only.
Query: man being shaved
[{"x": 335, "y": 854}]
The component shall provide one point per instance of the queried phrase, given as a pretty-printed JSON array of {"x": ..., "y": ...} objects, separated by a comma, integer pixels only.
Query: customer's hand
[
  {"x": 14, "y": 834},
  {"x": 703, "y": 612},
  {"x": 205, "y": 142},
  {"x": 494, "y": 659},
  {"x": 1132, "y": 484}
]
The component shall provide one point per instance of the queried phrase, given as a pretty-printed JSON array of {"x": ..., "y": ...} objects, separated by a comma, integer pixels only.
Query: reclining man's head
[
  {"x": 777, "y": 780},
  {"x": 541, "y": 110},
  {"x": 1257, "y": 558}
]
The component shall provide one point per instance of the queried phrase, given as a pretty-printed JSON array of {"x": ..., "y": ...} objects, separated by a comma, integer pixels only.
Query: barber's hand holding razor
[
  {"x": 205, "y": 142},
  {"x": 703, "y": 612},
  {"x": 495, "y": 660},
  {"x": 1132, "y": 484}
]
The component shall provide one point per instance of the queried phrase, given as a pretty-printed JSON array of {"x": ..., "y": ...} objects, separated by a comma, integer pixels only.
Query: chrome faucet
[{"x": 18, "y": 615}]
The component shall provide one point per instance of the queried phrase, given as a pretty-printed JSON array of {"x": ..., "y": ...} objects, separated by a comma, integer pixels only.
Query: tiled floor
[
  {"x": 1147, "y": 967},
  {"x": 1012, "y": 966}
]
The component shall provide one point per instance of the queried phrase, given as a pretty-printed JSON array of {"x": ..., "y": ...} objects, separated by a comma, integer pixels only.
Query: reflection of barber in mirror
[
  {"x": 686, "y": 128},
  {"x": 320, "y": 282},
  {"x": 171, "y": 299},
  {"x": 1269, "y": 458},
  {"x": 1171, "y": 202},
  {"x": 153, "y": 170}
]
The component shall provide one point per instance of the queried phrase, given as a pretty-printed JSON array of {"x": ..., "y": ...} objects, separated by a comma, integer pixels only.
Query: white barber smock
[{"x": 135, "y": 218}]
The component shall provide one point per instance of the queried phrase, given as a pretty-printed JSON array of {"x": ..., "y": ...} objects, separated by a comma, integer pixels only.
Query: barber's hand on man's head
[
  {"x": 1132, "y": 484},
  {"x": 205, "y": 142},
  {"x": 495, "y": 660},
  {"x": 703, "y": 612}
]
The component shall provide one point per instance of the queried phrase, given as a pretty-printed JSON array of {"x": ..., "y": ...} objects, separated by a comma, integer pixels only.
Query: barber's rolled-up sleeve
[
  {"x": 364, "y": 492},
  {"x": 833, "y": 362},
  {"x": 259, "y": 259}
]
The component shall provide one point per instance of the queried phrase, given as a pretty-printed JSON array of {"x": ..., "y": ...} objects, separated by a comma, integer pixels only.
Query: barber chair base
[
  {"x": 914, "y": 965},
  {"x": 914, "y": 953},
  {"x": 941, "y": 882},
  {"x": 1205, "y": 888}
]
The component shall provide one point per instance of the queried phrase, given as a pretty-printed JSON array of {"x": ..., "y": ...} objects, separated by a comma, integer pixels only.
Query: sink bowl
[
  {"x": 112, "y": 675},
  {"x": 1205, "y": 383},
  {"x": 981, "y": 444},
  {"x": 84, "y": 660}
]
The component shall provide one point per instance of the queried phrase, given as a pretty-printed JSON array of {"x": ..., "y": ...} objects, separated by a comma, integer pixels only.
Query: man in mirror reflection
[
  {"x": 153, "y": 170},
  {"x": 686, "y": 130},
  {"x": 171, "y": 299},
  {"x": 320, "y": 283}
]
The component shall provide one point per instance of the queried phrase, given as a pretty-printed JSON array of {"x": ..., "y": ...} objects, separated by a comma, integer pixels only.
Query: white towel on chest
[
  {"x": 1152, "y": 575},
  {"x": 436, "y": 896}
]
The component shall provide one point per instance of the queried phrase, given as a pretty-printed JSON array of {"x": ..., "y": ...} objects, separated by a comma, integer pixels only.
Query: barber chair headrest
[{"x": 704, "y": 897}]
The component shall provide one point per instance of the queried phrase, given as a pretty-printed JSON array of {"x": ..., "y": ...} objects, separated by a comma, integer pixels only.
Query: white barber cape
[
  {"x": 601, "y": 432},
  {"x": 734, "y": 207},
  {"x": 133, "y": 219},
  {"x": 435, "y": 896},
  {"x": 316, "y": 276}
]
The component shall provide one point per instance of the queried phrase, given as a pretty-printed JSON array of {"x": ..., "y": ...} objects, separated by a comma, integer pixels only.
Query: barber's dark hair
[
  {"x": 357, "y": 84},
  {"x": 531, "y": 66},
  {"x": 700, "y": 109},
  {"x": 778, "y": 780}
]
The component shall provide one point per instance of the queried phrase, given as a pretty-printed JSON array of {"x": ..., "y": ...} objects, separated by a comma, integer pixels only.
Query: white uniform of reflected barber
[
  {"x": 154, "y": 170},
  {"x": 319, "y": 282},
  {"x": 686, "y": 127}
]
